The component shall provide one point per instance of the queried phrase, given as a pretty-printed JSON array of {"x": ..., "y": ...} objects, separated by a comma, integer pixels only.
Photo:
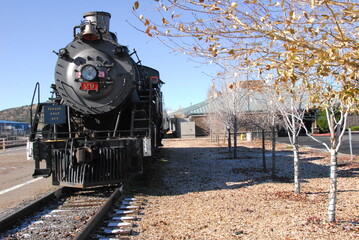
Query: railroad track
[
  {"x": 121, "y": 220},
  {"x": 75, "y": 214}
]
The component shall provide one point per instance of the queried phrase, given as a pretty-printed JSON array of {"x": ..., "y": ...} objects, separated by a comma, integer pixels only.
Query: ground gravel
[{"x": 198, "y": 191}]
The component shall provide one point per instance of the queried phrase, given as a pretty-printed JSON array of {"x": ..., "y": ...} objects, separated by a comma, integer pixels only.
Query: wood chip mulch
[{"x": 196, "y": 191}]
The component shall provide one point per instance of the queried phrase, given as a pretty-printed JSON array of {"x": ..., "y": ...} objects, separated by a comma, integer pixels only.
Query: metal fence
[{"x": 12, "y": 143}]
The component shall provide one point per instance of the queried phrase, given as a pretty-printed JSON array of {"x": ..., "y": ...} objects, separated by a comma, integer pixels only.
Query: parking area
[
  {"x": 16, "y": 182},
  {"x": 344, "y": 148}
]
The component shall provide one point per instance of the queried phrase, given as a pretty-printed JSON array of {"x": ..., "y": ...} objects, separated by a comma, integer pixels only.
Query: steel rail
[
  {"x": 95, "y": 220},
  {"x": 29, "y": 209}
]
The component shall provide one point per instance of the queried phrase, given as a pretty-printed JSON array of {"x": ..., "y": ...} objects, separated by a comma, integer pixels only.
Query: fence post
[
  {"x": 3, "y": 144},
  {"x": 29, "y": 150},
  {"x": 350, "y": 144}
]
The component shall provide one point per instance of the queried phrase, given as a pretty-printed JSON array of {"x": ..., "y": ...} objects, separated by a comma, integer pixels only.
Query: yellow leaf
[
  {"x": 271, "y": 43},
  {"x": 148, "y": 32},
  {"x": 292, "y": 14},
  {"x": 234, "y": 4},
  {"x": 251, "y": 2},
  {"x": 311, "y": 20},
  {"x": 136, "y": 5},
  {"x": 306, "y": 15},
  {"x": 289, "y": 30},
  {"x": 173, "y": 15},
  {"x": 164, "y": 21},
  {"x": 141, "y": 17}
]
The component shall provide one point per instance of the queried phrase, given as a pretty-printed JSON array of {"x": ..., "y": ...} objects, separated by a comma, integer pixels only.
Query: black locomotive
[{"x": 105, "y": 115}]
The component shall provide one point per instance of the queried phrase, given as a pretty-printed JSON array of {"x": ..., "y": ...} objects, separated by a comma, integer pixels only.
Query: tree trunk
[
  {"x": 274, "y": 170},
  {"x": 235, "y": 137},
  {"x": 229, "y": 140},
  {"x": 296, "y": 168},
  {"x": 333, "y": 166},
  {"x": 264, "y": 151},
  {"x": 333, "y": 186},
  {"x": 292, "y": 132}
]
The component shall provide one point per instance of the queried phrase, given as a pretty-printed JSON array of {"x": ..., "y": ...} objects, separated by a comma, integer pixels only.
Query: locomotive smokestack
[{"x": 96, "y": 23}]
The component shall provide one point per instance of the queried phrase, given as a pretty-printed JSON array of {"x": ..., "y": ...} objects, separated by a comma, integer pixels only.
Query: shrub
[
  {"x": 322, "y": 122},
  {"x": 355, "y": 128}
]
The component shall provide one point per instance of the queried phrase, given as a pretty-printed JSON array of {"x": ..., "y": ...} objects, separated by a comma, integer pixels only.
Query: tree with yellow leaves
[{"x": 306, "y": 44}]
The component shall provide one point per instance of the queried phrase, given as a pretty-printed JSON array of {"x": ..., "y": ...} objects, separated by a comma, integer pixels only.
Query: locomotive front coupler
[{"x": 83, "y": 151}]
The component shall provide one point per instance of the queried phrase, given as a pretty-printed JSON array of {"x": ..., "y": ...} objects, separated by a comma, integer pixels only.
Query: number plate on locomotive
[{"x": 89, "y": 86}]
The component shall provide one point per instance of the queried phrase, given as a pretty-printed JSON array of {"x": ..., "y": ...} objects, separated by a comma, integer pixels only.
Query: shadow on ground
[{"x": 184, "y": 170}]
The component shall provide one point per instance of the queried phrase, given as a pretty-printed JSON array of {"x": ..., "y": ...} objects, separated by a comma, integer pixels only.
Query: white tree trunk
[
  {"x": 274, "y": 170},
  {"x": 333, "y": 186},
  {"x": 296, "y": 168},
  {"x": 264, "y": 151},
  {"x": 235, "y": 137},
  {"x": 229, "y": 140},
  {"x": 293, "y": 131}
]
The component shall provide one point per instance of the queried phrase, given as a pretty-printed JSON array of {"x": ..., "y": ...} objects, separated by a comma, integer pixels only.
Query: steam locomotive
[{"x": 105, "y": 115}]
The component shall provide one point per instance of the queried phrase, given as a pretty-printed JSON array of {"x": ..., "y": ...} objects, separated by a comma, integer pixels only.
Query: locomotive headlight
[{"x": 89, "y": 72}]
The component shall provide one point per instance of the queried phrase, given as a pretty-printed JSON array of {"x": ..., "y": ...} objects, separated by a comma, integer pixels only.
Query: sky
[{"x": 31, "y": 30}]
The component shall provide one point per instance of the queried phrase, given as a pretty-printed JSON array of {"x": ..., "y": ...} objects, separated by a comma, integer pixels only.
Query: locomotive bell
[
  {"x": 90, "y": 32},
  {"x": 94, "y": 24}
]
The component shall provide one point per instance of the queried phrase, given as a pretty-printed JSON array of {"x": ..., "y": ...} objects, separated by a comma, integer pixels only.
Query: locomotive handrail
[
  {"x": 37, "y": 87},
  {"x": 138, "y": 63},
  {"x": 108, "y": 135},
  {"x": 74, "y": 29}
]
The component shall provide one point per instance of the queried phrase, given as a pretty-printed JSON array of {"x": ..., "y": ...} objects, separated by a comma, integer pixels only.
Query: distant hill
[{"x": 18, "y": 114}]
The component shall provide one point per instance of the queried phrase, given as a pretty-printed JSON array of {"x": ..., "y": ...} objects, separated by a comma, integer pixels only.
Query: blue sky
[{"x": 32, "y": 29}]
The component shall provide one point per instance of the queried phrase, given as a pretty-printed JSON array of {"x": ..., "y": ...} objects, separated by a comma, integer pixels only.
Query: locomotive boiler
[{"x": 105, "y": 115}]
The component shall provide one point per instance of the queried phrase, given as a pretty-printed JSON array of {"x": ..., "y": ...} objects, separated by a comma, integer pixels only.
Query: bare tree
[
  {"x": 291, "y": 108},
  {"x": 229, "y": 107}
]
